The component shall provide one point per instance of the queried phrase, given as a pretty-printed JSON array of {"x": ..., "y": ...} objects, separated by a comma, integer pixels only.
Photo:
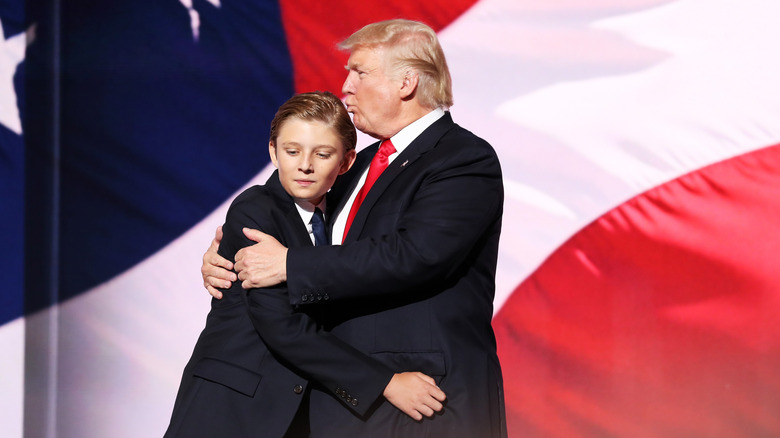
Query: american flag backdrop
[{"x": 638, "y": 286}]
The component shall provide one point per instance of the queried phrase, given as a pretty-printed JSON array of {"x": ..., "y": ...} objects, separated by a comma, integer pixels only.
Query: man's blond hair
[{"x": 409, "y": 45}]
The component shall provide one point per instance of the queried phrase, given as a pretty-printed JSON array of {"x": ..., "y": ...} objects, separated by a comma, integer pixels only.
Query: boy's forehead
[{"x": 290, "y": 134}]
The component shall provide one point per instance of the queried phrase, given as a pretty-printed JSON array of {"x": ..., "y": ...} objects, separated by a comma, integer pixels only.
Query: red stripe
[
  {"x": 315, "y": 28},
  {"x": 661, "y": 318}
]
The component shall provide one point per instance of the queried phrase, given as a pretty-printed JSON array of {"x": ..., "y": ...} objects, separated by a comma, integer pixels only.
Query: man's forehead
[{"x": 364, "y": 57}]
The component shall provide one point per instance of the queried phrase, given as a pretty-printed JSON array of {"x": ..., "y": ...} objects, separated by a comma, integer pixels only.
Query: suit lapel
[{"x": 424, "y": 142}]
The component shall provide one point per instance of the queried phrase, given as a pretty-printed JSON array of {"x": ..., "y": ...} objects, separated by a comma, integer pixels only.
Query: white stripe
[
  {"x": 591, "y": 113},
  {"x": 125, "y": 343},
  {"x": 12, "y": 378}
]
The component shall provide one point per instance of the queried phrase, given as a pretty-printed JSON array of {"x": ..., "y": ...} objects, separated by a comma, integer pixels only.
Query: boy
[{"x": 237, "y": 384}]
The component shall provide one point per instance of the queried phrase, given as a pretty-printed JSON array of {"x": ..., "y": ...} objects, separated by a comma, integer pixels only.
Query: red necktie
[{"x": 378, "y": 165}]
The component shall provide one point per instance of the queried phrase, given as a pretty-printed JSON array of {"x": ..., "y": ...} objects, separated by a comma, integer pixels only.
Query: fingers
[
  {"x": 415, "y": 394},
  {"x": 216, "y": 270},
  {"x": 414, "y": 414},
  {"x": 214, "y": 292},
  {"x": 217, "y": 278},
  {"x": 434, "y": 391},
  {"x": 425, "y": 377},
  {"x": 430, "y": 406},
  {"x": 214, "y": 259},
  {"x": 254, "y": 235}
]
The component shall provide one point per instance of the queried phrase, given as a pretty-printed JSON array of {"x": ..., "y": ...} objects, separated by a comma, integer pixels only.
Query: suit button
[
  {"x": 298, "y": 389},
  {"x": 319, "y": 297},
  {"x": 354, "y": 402},
  {"x": 305, "y": 298},
  {"x": 326, "y": 297}
]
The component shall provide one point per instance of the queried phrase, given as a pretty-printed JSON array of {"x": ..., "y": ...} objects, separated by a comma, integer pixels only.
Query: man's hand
[
  {"x": 216, "y": 270},
  {"x": 262, "y": 264},
  {"x": 415, "y": 394}
]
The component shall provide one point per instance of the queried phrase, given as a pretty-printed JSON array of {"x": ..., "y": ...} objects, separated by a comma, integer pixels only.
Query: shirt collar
[
  {"x": 306, "y": 210},
  {"x": 407, "y": 135}
]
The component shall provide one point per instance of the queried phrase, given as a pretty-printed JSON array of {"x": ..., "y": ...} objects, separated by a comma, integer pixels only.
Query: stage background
[{"x": 638, "y": 287}]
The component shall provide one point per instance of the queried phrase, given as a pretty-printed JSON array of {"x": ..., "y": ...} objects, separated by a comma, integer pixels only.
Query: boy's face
[{"x": 309, "y": 156}]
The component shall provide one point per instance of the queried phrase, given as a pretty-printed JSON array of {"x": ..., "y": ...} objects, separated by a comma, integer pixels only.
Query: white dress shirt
[
  {"x": 400, "y": 140},
  {"x": 306, "y": 210}
]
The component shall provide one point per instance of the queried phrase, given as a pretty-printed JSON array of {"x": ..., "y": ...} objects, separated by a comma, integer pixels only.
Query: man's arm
[
  {"x": 453, "y": 208},
  {"x": 456, "y": 205},
  {"x": 452, "y": 216},
  {"x": 356, "y": 378}
]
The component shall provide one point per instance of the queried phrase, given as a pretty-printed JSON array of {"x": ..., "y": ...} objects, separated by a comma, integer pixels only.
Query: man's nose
[{"x": 347, "y": 87}]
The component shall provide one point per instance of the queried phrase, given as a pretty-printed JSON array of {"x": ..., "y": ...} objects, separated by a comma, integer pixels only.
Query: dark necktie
[
  {"x": 378, "y": 165},
  {"x": 318, "y": 228}
]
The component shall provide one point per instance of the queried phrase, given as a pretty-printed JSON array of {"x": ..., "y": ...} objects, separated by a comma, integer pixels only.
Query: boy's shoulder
[
  {"x": 253, "y": 193},
  {"x": 262, "y": 196}
]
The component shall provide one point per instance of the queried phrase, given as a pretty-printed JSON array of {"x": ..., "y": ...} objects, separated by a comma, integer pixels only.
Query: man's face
[
  {"x": 309, "y": 156},
  {"x": 372, "y": 97}
]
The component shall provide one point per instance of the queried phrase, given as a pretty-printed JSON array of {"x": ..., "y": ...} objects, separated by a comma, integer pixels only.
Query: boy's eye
[
  {"x": 292, "y": 152},
  {"x": 323, "y": 155}
]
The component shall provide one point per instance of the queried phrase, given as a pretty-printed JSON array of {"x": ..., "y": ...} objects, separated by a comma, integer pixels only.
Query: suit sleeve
[
  {"x": 294, "y": 337},
  {"x": 457, "y": 203}
]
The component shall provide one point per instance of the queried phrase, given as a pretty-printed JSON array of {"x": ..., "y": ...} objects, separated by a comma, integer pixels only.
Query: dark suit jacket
[
  {"x": 413, "y": 284},
  {"x": 236, "y": 385}
]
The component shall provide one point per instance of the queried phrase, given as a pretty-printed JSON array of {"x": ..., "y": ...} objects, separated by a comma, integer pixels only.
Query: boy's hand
[{"x": 415, "y": 393}]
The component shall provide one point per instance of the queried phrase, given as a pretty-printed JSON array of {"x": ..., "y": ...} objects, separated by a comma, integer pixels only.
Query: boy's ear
[
  {"x": 347, "y": 161},
  {"x": 272, "y": 153}
]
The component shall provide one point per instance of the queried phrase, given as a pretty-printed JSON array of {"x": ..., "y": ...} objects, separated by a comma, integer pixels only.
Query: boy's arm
[
  {"x": 296, "y": 340},
  {"x": 356, "y": 379}
]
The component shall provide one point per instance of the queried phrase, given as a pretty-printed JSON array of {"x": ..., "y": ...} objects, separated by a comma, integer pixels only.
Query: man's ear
[
  {"x": 347, "y": 161},
  {"x": 409, "y": 84},
  {"x": 272, "y": 153}
]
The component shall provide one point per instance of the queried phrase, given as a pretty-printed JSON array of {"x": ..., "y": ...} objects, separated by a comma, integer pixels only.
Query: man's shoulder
[{"x": 457, "y": 137}]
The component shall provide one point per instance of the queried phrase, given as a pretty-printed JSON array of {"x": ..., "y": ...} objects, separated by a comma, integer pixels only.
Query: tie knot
[{"x": 386, "y": 148}]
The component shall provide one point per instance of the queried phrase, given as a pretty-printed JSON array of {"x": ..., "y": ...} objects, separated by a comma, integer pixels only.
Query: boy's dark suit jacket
[
  {"x": 237, "y": 386},
  {"x": 413, "y": 284}
]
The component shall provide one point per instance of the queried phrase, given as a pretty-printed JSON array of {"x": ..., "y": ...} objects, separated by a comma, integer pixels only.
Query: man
[{"x": 413, "y": 282}]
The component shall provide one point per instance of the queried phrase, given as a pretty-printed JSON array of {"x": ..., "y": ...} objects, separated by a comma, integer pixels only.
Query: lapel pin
[{"x": 405, "y": 163}]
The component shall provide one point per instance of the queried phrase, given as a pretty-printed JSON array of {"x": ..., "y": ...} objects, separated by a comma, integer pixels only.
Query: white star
[
  {"x": 11, "y": 54},
  {"x": 195, "y": 17}
]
